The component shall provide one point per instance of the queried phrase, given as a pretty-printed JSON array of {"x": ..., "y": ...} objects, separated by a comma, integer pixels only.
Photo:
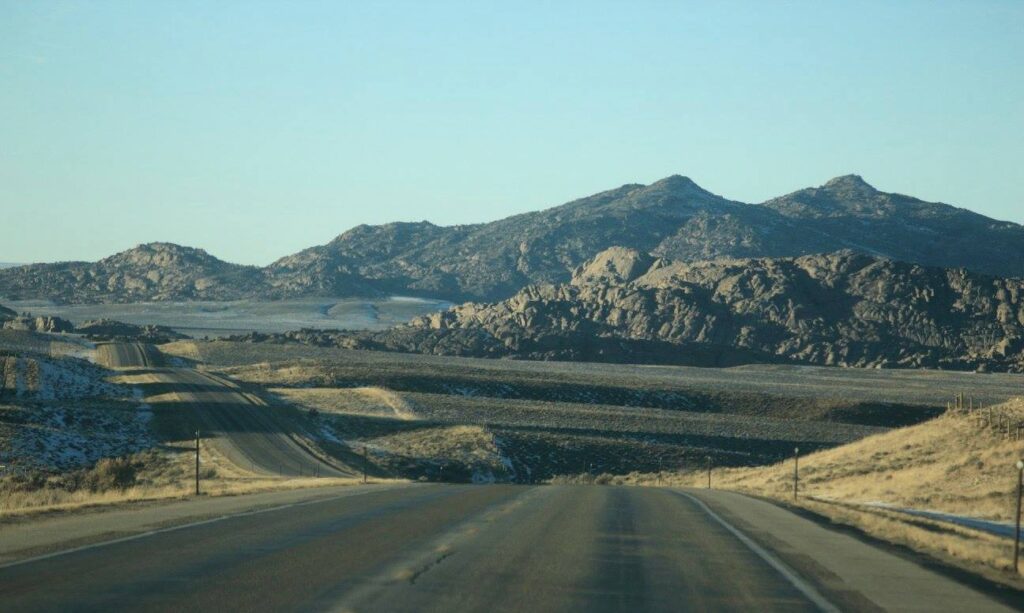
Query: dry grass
[
  {"x": 953, "y": 464},
  {"x": 978, "y": 552},
  {"x": 950, "y": 464},
  {"x": 365, "y": 401},
  {"x": 155, "y": 477},
  {"x": 148, "y": 476},
  {"x": 48, "y": 500},
  {"x": 469, "y": 445}
]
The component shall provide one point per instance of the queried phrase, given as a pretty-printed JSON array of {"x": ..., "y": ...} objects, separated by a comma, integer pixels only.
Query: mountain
[
  {"x": 673, "y": 218},
  {"x": 151, "y": 272},
  {"x": 844, "y": 309},
  {"x": 847, "y": 213}
]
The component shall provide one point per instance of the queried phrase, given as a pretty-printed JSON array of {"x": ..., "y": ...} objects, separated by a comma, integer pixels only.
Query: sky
[{"x": 256, "y": 129}]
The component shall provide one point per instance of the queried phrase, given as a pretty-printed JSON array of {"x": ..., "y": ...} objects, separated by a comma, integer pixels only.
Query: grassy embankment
[{"x": 959, "y": 463}]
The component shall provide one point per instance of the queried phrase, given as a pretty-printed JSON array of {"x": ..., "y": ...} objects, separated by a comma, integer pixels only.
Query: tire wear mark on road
[{"x": 590, "y": 549}]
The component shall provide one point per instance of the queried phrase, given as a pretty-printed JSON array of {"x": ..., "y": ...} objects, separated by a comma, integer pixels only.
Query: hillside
[
  {"x": 672, "y": 218},
  {"x": 841, "y": 309},
  {"x": 960, "y": 463},
  {"x": 944, "y": 487},
  {"x": 151, "y": 272}
]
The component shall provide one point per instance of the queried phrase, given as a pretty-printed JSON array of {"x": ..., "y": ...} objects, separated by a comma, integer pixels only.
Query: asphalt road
[
  {"x": 491, "y": 548},
  {"x": 235, "y": 424},
  {"x": 128, "y": 355}
]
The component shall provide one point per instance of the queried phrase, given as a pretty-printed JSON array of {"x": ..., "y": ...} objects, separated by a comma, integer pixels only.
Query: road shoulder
[{"x": 850, "y": 572}]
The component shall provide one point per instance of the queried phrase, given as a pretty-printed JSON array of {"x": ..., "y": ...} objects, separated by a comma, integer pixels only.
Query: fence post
[
  {"x": 197, "y": 462},
  {"x": 1016, "y": 532},
  {"x": 796, "y": 470}
]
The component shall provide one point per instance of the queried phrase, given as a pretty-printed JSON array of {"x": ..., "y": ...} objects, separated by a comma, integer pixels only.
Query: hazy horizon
[{"x": 254, "y": 130}]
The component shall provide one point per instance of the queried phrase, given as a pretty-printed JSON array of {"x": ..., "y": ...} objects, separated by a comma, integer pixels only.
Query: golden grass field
[{"x": 165, "y": 476}]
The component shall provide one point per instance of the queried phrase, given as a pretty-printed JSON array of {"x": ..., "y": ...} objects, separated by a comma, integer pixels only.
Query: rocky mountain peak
[
  {"x": 159, "y": 254},
  {"x": 849, "y": 183},
  {"x": 676, "y": 184}
]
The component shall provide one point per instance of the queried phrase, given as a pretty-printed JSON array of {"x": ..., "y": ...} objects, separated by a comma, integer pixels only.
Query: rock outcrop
[
  {"x": 111, "y": 330},
  {"x": 41, "y": 323},
  {"x": 842, "y": 309}
]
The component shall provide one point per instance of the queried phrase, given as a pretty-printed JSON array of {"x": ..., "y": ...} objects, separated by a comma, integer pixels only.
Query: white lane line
[
  {"x": 798, "y": 582},
  {"x": 204, "y": 522}
]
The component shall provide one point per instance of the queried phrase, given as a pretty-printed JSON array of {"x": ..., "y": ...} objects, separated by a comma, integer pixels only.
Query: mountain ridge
[{"x": 672, "y": 218}]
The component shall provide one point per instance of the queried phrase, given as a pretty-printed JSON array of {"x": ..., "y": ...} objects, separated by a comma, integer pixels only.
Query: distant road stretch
[
  {"x": 129, "y": 355},
  {"x": 239, "y": 425},
  {"x": 491, "y": 548}
]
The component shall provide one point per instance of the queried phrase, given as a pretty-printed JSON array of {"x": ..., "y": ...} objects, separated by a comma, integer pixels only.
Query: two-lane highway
[
  {"x": 239, "y": 425},
  {"x": 491, "y": 548}
]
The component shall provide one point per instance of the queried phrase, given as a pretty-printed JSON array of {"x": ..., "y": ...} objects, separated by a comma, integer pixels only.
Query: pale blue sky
[{"x": 256, "y": 129}]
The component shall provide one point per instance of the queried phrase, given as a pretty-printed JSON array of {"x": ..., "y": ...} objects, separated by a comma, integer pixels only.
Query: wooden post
[
  {"x": 1016, "y": 532},
  {"x": 796, "y": 470},
  {"x": 197, "y": 462}
]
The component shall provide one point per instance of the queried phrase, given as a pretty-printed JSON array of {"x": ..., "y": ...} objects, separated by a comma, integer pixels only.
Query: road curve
[
  {"x": 238, "y": 425},
  {"x": 489, "y": 548}
]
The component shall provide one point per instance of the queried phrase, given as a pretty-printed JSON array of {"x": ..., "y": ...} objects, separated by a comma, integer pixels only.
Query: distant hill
[
  {"x": 156, "y": 271},
  {"x": 841, "y": 309},
  {"x": 673, "y": 218}
]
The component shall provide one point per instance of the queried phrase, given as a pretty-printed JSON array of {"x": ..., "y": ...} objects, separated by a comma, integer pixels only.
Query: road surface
[
  {"x": 490, "y": 548},
  {"x": 236, "y": 424}
]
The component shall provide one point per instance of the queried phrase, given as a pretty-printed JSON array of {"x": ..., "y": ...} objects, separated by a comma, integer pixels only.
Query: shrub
[{"x": 109, "y": 474}]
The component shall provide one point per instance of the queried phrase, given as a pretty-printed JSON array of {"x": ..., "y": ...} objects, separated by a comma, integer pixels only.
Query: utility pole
[
  {"x": 1016, "y": 533},
  {"x": 796, "y": 470},
  {"x": 364, "y": 463},
  {"x": 709, "y": 471},
  {"x": 197, "y": 462}
]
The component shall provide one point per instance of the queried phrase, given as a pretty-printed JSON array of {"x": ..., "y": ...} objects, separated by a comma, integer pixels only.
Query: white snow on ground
[
  {"x": 327, "y": 434},
  {"x": 44, "y": 378},
  {"x": 499, "y": 444},
  {"x": 67, "y": 379},
  {"x": 997, "y": 528},
  {"x": 58, "y": 413},
  {"x": 74, "y": 347},
  {"x": 60, "y": 437}
]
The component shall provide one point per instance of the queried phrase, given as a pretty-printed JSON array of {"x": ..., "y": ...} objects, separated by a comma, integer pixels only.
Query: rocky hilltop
[
  {"x": 672, "y": 218},
  {"x": 151, "y": 272},
  {"x": 844, "y": 309}
]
